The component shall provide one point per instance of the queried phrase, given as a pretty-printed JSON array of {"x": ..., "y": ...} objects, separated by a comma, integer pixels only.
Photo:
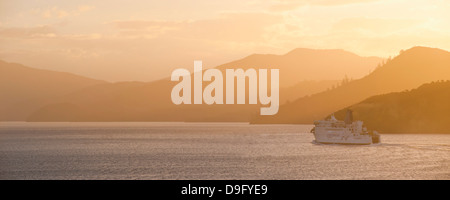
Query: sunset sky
[{"x": 144, "y": 40}]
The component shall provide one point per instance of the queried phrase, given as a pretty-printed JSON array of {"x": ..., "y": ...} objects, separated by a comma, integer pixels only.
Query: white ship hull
[
  {"x": 340, "y": 138},
  {"x": 328, "y": 135}
]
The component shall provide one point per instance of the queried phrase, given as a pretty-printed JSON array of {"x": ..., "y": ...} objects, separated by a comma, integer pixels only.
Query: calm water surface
[{"x": 209, "y": 151}]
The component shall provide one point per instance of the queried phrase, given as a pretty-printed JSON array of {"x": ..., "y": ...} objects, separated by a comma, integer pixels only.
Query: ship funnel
[
  {"x": 349, "y": 117},
  {"x": 332, "y": 118}
]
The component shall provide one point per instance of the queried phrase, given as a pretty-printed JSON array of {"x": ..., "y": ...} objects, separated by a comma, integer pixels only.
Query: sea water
[{"x": 149, "y": 150}]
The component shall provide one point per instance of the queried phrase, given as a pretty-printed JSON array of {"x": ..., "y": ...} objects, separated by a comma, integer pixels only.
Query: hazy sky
[{"x": 144, "y": 40}]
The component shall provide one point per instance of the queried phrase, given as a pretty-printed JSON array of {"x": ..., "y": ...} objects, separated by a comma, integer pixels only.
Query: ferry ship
[{"x": 333, "y": 131}]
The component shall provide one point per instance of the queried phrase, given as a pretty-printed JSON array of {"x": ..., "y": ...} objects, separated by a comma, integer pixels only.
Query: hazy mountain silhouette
[
  {"x": 24, "y": 89},
  {"x": 305, "y": 88},
  {"x": 151, "y": 101},
  {"x": 422, "y": 110},
  {"x": 310, "y": 64},
  {"x": 409, "y": 70}
]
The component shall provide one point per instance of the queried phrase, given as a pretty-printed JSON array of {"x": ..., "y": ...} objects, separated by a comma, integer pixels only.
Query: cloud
[
  {"x": 374, "y": 26},
  {"x": 144, "y": 24},
  {"x": 147, "y": 28},
  {"x": 231, "y": 26},
  {"x": 85, "y": 8},
  {"x": 288, "y": 5},
  {"x": 28, "y": 32},
  {"x": 60, "y": 13}
]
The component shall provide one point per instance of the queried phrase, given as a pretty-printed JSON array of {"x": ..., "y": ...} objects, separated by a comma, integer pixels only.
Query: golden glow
[{"x": 146, "y": 40}]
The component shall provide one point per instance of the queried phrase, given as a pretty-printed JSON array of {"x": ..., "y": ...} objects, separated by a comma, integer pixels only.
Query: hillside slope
[
  {"x": 24, "y": 89},
  {"x": 422, "y": 110}
]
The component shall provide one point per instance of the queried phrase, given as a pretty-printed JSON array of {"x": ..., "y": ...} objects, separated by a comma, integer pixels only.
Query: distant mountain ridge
[
  {"x": 310, "y": 64},
  {"x": 422, "y": 110},
  {"x": 24, "y": 89},
  {"x": 140, "y": 101}
]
